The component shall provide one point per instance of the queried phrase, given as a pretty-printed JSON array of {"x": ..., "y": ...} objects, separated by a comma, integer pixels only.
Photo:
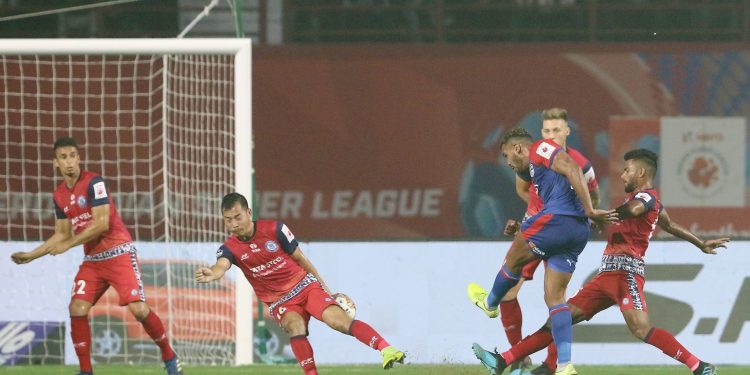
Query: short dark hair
[
  {"x": 515, "y": 133},
  {"x": 647, "y": 157},
  {"x": 231, "y": 199},
  {"x": 65, "y": 142}
]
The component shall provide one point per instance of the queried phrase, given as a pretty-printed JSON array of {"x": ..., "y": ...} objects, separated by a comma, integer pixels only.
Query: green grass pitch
[{"x": 355, "y": 370}]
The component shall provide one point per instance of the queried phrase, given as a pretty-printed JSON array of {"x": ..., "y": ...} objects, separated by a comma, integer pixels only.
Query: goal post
[{"x": 167, "y": 122}]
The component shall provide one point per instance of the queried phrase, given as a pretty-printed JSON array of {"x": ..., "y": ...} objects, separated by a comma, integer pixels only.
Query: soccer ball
[{"x": 346, "y": 304}]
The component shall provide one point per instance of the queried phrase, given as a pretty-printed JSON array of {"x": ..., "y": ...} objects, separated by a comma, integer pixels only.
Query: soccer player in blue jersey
[{"x": 557, "y": 234}]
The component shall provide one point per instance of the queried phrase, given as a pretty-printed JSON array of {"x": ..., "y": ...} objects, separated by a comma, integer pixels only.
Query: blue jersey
[{"x": 558, "y": 196}]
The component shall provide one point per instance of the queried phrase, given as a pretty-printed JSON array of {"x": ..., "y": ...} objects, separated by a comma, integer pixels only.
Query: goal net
[{"x": 167, "y": 124}]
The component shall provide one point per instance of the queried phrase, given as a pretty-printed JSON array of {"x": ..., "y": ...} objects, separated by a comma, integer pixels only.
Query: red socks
[
  {"x": 367, "y": 335},
  {"x": 153, "y": 326},
  {"x": 304, "y": 354},
  {"x": 671, "y": 347},
  {"x": 510, "y": 315},
  {"x": 81, "y": 334},
  {"x": 531, "y": 344},
  {"x": 551, "y": 360}
]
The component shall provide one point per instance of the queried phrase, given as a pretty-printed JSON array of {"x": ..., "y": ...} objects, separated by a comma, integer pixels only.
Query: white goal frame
[{"x": 241, "y": 49}]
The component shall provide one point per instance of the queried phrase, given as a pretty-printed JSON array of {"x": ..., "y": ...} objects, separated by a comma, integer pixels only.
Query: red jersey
[
  {"x": 266, "y": 259},
  {"x": 535, "y": 202},
  {"x": 75, "y": 205},
  {"x": 631, "y": 236}
]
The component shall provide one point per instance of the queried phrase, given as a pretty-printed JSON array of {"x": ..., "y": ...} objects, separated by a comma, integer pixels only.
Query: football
[{"x": 346, "y": 303}]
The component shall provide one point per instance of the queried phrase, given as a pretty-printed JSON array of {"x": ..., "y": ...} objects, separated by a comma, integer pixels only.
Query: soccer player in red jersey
[
  {"x": 285, "y": 280},
  {"x": 86, "y": 215},
  {"x": 621, "y": 276},
  {"x": 554, "y": 127}
]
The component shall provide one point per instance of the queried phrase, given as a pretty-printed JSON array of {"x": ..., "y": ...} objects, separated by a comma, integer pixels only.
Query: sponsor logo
[
  {"x": 307, "y": 361},
  {"x": 645, "y": 196},
  {"x": 269, "y": 264},
  {"x": 133, "y": 292},
  {"x": 245, "y": 256},
  {"x": 287, "y": 233},
  {"x": 531, "y": 171},
  {"x": 219, "y": 252},
  {"x": 80, "y": 220},
  {"x": 328, "y": 299},
  {"x": 703, "y": 172},
  {"x": 100, "y": 191},
  {"x": 82, "y": 201},
  {"x": 545, "y": 150},
  {"x": 254, "y": 248},
  {"x": 18, "y": 340},
  {"x": 373, "y": 341},
  {"x": 271, "y": 246},
  {"x": 625, "y": 301}
]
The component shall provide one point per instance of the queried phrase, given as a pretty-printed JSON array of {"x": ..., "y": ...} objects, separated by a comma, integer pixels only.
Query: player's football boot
[
  {"x": 391, "y": 355},
  {"x": 478, "y": 296},
  {"x": 706, "y": 369},
  {"x": 567, "y": 370},
  {"x": 542, "y": 370},
  {"x": 173, "y": 366},
  {"x": 493, "y": 362}
]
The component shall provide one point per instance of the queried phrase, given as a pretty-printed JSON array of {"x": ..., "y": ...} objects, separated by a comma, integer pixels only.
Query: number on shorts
[{"x": 81, "y": 285}]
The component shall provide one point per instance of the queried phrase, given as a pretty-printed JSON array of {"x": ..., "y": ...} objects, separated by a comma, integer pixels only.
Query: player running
[
  {"x": 284, "y": 279},
  {"x": 86, "y": 215},
  {"x": 554, "y": 127},
  {"x": 621, "y": 276},
  {"x": 557, "y": 234}
]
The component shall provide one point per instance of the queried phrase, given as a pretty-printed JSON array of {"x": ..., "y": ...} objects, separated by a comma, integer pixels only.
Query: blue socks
[
  {"x": 504, "y": 281},
  {"x": 562, "y": 331}
]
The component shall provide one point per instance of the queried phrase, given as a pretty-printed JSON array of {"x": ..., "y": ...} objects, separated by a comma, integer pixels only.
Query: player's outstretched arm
[
  {"x": 566, "y": 166},
  {"x": 215, "y": 272},
  {"x": 305, "y": 263},
  {"x": 62, "y": 234},
  {"x": 677, "y": 230}
]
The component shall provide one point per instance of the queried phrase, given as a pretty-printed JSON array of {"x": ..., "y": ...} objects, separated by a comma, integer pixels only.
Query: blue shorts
[{"x": 558, "y": 239}]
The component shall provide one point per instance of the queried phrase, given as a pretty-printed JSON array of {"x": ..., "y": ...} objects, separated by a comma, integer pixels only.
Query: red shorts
[
  {"x": 608, "y": 289},
  {"x": 527, "y": 272},
  {"x": 122, "y": 272},
  {"x": 311, "y": 301}
]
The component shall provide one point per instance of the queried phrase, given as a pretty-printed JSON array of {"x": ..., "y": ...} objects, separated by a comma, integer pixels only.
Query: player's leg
[
  {"x": 320, "y": 305},
  {"x": 293, "y": 319},
  {"x": 635, "y": 312},
  {"x": 124, "y": 275},
  {"x": 508, "y": 276},
  {"x": 510, "y": 313},
  {"x": 87, "y": 288}
]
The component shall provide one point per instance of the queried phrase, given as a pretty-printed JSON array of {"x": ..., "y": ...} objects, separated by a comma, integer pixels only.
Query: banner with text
[{"x": 419, "y": 301}]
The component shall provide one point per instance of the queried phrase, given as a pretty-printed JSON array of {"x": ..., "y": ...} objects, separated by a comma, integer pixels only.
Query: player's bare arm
[
  {"x": 566, "y": 166},
  {"x": 305, "y": 263},
  {"x": 63, "y": 232},
  {"x": 522, "y": 189},
  {"x": 633, "y": 208},
  {"x": 677, "y": 230},
  {"x": 215, "y": 272},
  {"x": 99, "y": 225},
  {"x": 594, "y": 194}
]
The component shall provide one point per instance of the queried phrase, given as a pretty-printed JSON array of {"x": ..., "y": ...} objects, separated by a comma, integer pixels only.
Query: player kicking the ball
[
  {"x": 557, "y": 234},
  {"x": 86, "y": 215},
  {"x": 621, "y": 276},
  {"x": 284, "y": 279}
]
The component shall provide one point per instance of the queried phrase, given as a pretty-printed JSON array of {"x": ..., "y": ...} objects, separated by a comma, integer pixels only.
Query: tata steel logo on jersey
[
  {"x": 703, "y": 172},
  {"x": 82, "y": 201},
  {"x": 271, "y": 246}
]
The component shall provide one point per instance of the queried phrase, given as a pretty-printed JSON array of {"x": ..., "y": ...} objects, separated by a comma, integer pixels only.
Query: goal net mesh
[{"x": 160, "y": 130}]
